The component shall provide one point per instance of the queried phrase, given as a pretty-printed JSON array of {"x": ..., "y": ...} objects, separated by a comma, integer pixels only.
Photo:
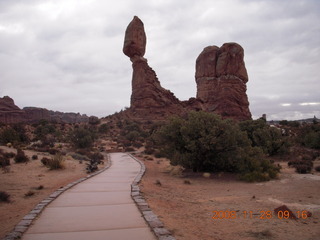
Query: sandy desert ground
[
  {"x": 25, "y": 177},
  {"x": 188, "y": 210}
]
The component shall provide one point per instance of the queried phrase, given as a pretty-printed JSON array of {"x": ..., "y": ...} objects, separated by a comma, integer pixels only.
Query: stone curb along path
[
  {"x": 27, "y": 220},
  {"x": 152, "y": 219},
  {"x": 154, "y": 223}
]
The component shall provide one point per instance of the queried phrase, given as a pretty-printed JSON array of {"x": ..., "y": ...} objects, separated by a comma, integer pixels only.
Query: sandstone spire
[{"x": 148, "y": 99}]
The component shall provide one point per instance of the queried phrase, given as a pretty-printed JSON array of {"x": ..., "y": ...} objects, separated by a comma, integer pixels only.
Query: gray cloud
[{"x": 67, "y": 55}]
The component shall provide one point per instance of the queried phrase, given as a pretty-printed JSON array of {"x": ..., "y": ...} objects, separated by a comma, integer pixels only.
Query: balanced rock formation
[
  {"x": 135, "y": 39},
  {"x": 221, "y": 78},
  {"x": 148, "y": 99},
  {"x": 12, "y": 114}
]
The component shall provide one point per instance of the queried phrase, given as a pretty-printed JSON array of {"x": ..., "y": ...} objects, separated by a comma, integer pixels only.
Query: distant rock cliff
[
  {"x": 221, "y": 79},
  {"x": 11, "y": 114}
]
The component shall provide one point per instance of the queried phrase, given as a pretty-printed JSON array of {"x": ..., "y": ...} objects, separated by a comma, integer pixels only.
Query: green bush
[
  {"x": 309, "y": 136},
  {"x": 303, "y": 169},
  {"x": 9, "y": 135},
  {"x": 205, "y": 142},
  {"x": 103, "y": 128},
  {"x": 269, "y": 139},
  {"x": 21, "y": 157},
  {"x": 4, "y": 160},
  {"x": 82, "y": 138}
]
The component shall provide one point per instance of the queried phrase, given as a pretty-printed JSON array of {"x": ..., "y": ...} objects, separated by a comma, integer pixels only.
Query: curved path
[{"x": 98, "y": 208}]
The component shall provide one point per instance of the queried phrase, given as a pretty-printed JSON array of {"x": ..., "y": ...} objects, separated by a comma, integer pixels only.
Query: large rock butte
[{"x": 221, "y": 79}]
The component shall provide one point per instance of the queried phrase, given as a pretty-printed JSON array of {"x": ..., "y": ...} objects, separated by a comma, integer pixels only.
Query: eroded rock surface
[
  {"x": 221, "y": 79},
  {"x": 135, "y": 39},
  {"x": 11, "y": 114},
  {"x": 149, "y": 99}
]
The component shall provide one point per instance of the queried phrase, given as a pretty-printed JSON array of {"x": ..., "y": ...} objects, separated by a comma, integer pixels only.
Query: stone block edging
[
  {"x": 27, "y": 220},
  {"x": 152, "y": 219}
]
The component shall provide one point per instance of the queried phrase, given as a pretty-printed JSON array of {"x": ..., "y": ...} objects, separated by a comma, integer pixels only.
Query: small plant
[
  {"x": 4, "y": 161},
  {"x": 317, "y": 168},
  {"x": 158, "y": 183},
  {"x": 45, "y": 161},
  {"x": 9, "y": 154},
  {"x": 303, "y": 169},
  {"x": 40, "y": 187},
  {"x": 34, "y": 157},
  {"x": 187, "y": 182},
  {"x": 4, "y": 197},
  {"x": 21, "y": 157},
  {"x": 29, "y": 194},
  {"x": 54, "y": 163}
]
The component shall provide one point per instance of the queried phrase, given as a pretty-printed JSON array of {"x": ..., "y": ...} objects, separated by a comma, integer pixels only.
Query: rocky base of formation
[
  {"x": 11, "y": 114},
  {"x": 221, "y": 79}
]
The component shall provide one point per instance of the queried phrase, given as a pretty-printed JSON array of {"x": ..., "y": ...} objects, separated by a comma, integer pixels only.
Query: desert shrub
[
  {"x": 9, "y": 135},
  {"x": 93, "y": 120},
  {"x": 45, "y": 161},
  {"x": 43, "y": 130},
  {"x": 132, "y": 135},
  {"x": 289, "y": 123},
  {"x": 82, "y": 138},
  {"x": 129, "y": 149},
  {"x": 4, "y": 196},
  {"x": 4, "y": 161},
  {"x": 149, "y": 151},
  {"x": 34, "y": 157},
  {"x": 103, "y": 128},
  {"x": 96, "y": 156},
  {"x": 137, "y": 144},
  {"x": 53, "y": 151},
  {"x": 205, "y": 142},
  {"x": 29, "y": 193},
  {"x": 295, "y": 163},
  {"x": 54, "y": 163},
  {"x": 269, "y": 139},
  {"x": 21, "y": 157},
  {"x": 80, "y": 157},
  {"x": 309, "y": 136},
  {"x": 303, "y": 169},
  {"x": 159, "y": 154},
  {"x": 9, "y": 154},
  {"x": 317, "y": 168}
]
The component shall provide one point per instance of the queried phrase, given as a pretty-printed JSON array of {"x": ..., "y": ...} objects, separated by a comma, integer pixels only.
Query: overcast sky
[{"x": 66, "y": 55}]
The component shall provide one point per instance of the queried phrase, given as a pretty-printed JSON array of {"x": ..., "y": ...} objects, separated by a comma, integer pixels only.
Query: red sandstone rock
[
  {"x": 135, "y": 39},
  {"x": 149, "y": 99},
  {"x": 230, "y": 61},
  {"x": 206, "y": 62},
  {"x": 284, "y": 208},
  {"x": 11, "y": 114},
  {"x": 221, "y": 79}
]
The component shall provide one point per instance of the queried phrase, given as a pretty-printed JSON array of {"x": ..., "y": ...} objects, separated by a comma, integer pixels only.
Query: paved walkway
[{"x": 98, "y": 208}]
